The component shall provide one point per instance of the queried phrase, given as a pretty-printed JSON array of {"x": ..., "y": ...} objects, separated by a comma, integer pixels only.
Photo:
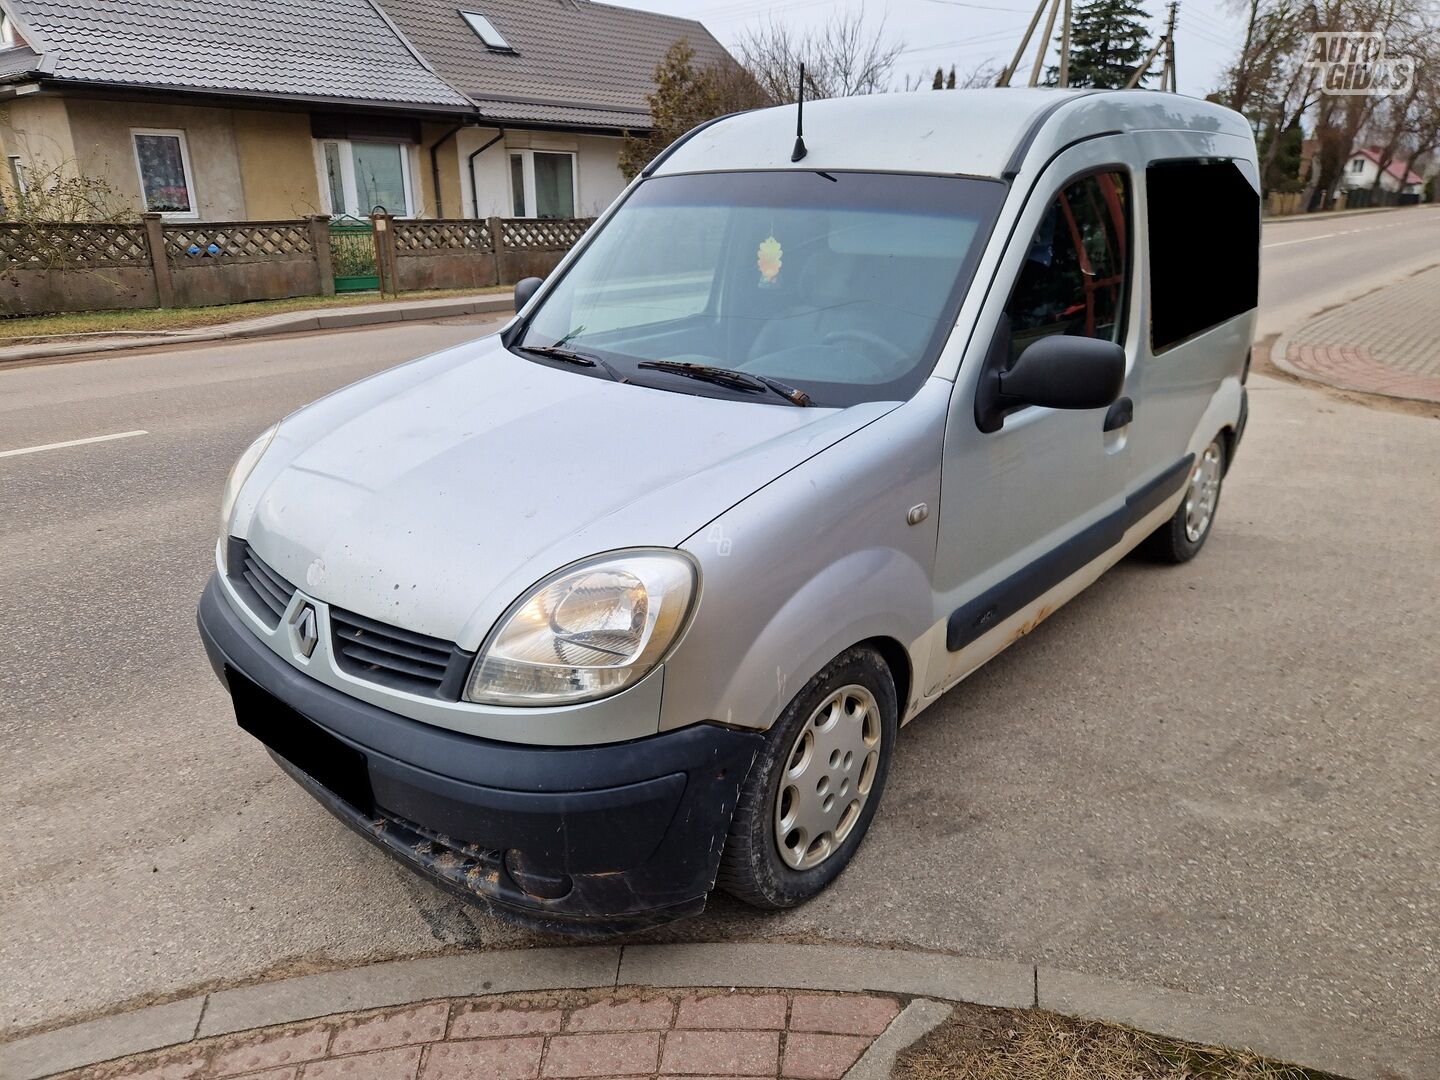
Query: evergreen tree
[
  {"x": 939, "y": 83},
  {"x": 950, "y": 82},
  {"x": 1283, "y": 173},
  {"x": 1108, "y": 40}
]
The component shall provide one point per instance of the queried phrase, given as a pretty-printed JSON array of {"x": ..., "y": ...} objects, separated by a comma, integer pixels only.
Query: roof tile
[{"x": 315, "y": 48}]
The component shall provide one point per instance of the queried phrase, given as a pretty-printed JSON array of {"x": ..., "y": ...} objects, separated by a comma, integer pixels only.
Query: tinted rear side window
[{"x": 1204, "y": 221}]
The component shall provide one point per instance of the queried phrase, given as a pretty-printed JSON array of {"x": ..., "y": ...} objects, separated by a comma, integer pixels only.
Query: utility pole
[
  {"x": 1054, "y": 7},
  {"x": 1169, "y": 72},
  {"x": 1167, "y": 44}
]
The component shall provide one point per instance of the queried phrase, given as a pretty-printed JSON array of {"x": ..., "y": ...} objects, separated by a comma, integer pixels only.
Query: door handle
[{"x": 1121, "y": 414}]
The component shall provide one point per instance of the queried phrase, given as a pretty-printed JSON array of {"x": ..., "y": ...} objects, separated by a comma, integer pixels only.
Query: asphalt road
[{"x": 1223, "y": 777}]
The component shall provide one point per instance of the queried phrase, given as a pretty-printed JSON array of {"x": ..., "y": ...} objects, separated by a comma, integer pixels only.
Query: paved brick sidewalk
[
  {"x": 1387, "y": 342},
  {"x": 598, "y": 1034}
]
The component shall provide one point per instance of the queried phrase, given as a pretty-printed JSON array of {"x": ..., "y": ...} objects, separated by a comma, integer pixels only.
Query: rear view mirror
[
  {"x": 1063, "y": 372},
  {"x": 524, "y": 289}
]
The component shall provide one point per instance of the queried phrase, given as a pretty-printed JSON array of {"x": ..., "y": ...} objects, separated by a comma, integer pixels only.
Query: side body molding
[{"x": 996, "y": 604}]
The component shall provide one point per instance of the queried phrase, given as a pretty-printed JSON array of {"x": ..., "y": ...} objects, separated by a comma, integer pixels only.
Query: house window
[
  {"x": 18, "y": 178},
  {"x": 361, "y": 177},
  {"x": 542, "y": 183},
  {"x": 1358, "y": 165},
  {"x": 165, "y": 176},
  {"x": 486, "y": 32}
]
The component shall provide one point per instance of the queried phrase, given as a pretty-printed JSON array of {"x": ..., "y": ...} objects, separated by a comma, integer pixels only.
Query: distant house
[
  {"x": 204, "y": 109},
  {"x": 1364, "y": 166}
]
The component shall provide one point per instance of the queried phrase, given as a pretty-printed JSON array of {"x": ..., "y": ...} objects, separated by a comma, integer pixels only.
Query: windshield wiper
[
  {"x": 571, "y": 356},
  {"x": 728, "y": 377}
]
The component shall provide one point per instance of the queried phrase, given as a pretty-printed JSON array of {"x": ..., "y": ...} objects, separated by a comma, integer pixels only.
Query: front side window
[
  {"x": 1076, "y": 270},
  {"x": 843, "y": 285},
  {"x": 542, "y": 183},
  {"x": 363, "y": 177},
  {"x": 1204, "y": 219},
  {"x": 165, "y": 178}
]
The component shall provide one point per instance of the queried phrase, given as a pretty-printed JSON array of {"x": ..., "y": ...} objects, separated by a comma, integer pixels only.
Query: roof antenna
[{"x": 800, "y": 150}]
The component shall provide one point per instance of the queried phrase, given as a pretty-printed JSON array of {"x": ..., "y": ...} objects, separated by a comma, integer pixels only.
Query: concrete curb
[
  {"x": 297, "y": 322},
  {"x": 1357, "y": 1054},
  {"x": 1335, "y": 215},
  {"x": 915, "y": 1021}
]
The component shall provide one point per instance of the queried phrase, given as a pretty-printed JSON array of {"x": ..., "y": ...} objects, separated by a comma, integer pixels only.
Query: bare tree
[
  {"x": 685, "y": 95},
  {"x": 1407, "y": 125},
  {"x": 842, "y": 58}
]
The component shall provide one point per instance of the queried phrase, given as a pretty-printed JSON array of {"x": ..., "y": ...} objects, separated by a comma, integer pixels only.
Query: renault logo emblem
[{"x": 305, "y": 630}]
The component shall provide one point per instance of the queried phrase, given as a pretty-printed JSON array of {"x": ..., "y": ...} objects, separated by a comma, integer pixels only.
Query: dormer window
[{"x": 486, "y": 32}]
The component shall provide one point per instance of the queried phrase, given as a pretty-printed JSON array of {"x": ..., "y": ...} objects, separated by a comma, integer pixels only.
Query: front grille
[
  {"x": 399, "y": 659},
  {"x": 265, "y": 592},
  {"x": 385, "y": 655}
]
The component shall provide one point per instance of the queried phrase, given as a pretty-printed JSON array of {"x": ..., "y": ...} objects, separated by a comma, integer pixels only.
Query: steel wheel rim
[
  {"x": 1203, "y": 493},
  {"x": 829, "y": 776}
]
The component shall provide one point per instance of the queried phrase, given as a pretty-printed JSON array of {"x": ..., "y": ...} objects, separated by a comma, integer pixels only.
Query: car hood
[{"x": 432, "y": 495}]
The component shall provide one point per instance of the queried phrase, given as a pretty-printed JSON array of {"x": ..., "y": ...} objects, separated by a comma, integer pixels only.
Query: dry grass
[
  {"x": 156, "y": 320},
  {"x": 998, "y": 1044}
]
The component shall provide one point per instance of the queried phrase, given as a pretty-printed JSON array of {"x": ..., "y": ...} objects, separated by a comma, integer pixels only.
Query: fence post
[
  {"x": 159, "y": 260},
  {"x": 383, "y": 227},
  {"x": 320, "y": 245},
  {"x": 497, "y": 247}
]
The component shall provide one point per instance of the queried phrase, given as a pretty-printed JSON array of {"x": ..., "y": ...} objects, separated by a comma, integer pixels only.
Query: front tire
[
  {"x": 1180, "y": 539},
  {"x": 814, "y": 788}
]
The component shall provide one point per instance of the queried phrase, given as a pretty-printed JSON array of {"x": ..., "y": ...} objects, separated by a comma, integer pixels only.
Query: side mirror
[
  {"x": 1063, "y": 372},
  {"x": 525, "y": 289}
]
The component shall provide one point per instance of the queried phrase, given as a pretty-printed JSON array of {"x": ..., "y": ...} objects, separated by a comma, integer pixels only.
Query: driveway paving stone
[
  {"x": 1386, "y": 342},
  {"x": 599, "y": 1035}
]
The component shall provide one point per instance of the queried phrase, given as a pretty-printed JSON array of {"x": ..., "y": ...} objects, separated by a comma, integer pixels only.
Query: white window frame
[
  {"x": 9, "y": 39},
  {"x": 347, "y": 177},
  {"x": 193, "y": 214},
  {"x": 527, "y": 168},
  {"x": 486, "y": 30},
  {"x": 17, "y": 175}
]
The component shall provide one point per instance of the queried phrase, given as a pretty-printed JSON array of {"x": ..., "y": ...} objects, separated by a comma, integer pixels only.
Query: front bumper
[{"x": 595, "y": 838}]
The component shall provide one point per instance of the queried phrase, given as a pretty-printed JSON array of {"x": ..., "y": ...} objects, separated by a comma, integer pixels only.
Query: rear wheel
[
  {"x": 814, "y": 788},
  {"x": 1181, "y": 538}
]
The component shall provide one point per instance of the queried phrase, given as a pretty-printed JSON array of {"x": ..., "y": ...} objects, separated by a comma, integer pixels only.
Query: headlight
[
  {"x": 586, "y": 632},
  {"x": 241, "y": 472}
]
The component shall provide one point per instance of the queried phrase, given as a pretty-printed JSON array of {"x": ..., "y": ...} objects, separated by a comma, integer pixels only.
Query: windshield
[{"x": 843, "y": 285}]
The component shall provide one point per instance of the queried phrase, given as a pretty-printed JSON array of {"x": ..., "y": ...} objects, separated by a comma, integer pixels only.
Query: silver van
[{"x": 631, "y": 599}]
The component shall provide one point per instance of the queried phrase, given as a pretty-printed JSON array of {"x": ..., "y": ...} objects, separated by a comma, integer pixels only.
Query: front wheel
[
  {"x": 814, "y": 788},
  {"x": 1181, "y": 538}
]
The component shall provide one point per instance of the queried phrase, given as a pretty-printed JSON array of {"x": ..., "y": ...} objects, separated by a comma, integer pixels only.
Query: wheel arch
[{"x": 897, "y": 659}]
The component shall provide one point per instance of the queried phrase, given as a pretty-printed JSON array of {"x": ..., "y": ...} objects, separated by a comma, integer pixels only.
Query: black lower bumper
[{"x": 588, "y": 839}]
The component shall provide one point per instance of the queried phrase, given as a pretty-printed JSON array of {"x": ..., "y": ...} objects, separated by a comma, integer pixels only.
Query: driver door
[{"x": 1031, "y": 497}]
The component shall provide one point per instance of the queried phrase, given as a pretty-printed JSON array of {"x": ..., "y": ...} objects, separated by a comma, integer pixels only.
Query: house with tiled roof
[
  {"x": 213, "y": 110},
  {"x": 1364, "y": 166}
]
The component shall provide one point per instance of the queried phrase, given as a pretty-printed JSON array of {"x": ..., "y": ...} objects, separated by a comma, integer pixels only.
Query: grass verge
[
  {"x": 999, "y": 1044},
  {"x": 20, "y": 330}
]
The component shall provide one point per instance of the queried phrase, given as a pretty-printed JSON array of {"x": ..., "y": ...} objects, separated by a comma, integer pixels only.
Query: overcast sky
[{"x": 938, "y": 33}]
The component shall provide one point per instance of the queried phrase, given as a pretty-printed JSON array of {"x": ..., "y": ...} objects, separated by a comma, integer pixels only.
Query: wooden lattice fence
[
  {"x": 542, "y": 234},
  {"x": 237, "y": 240},
  {"x": 463, "y": 253},
  {"x": 426, "y": 236},
  {"x": 73, "y": 246},
  {"x": 63, "y": 267}
]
